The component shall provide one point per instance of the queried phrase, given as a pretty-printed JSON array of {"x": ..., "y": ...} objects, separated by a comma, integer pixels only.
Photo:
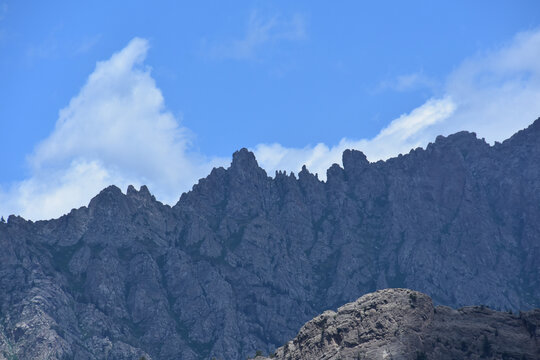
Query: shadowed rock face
[
  {"x": 243, "y": 260},
  {"x": 404, "y": 324}
]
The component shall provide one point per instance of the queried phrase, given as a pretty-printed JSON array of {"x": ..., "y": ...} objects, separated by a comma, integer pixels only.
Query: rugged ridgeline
[
  {"x": 403, "y": 324},
  {"x": 244, "y": 260}
]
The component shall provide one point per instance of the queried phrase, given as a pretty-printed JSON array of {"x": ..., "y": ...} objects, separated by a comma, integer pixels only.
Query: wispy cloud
[
  {"x": 494, "y": 94},
  {"x": 404, "y": 133},
  {"x": 260, "y": 30},
  {"x": 47, "y": 48},
  {"x": 497, "y": 92}
]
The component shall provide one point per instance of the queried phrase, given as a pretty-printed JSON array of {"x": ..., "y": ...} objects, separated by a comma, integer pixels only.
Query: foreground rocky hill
[
  {"x": 243, "y": 260},
  {"x": 404, "y": 324}
]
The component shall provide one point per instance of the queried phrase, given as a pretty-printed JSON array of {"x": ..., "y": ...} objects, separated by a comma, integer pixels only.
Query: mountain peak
[
  {"x": 354, "y": 159},
  {"x": 109, "y": 191},
  {"x": 534, "y": 128},
  {"x": 143, "y": 192},
  {"x": 244, "y": 162},
  {"x": 244, "y": 158},
  {"x": 244, "y": 166},
  {"x": 459, "y": 138},
  {"x": 109, "y": 195}
]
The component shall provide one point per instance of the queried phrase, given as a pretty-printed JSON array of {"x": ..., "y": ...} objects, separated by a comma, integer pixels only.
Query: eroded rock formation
[
  {"x": 243, "y": 260},
  {"x": 404, "y": 324}
]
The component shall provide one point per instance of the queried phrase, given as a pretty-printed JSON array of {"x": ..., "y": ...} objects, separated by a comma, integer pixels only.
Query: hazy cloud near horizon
[{"x": 117, "y": 130}]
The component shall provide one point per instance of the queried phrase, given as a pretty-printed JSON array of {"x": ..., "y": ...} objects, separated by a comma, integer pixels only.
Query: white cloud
[
  {"x": 401, "y": 135},
  {"x": 498, "y": 92},
  {"x": 494, "y": 94},
  {"x": 115, "y": 131},
  {"x": 260, "y": 31},
  {"x": 53, "y": 193}
]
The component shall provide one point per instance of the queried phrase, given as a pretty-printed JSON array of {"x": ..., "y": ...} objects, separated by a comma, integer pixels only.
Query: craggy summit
[{"x": 243, "y": 260}]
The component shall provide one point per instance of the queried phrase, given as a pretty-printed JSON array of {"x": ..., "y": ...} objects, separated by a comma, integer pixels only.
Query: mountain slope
[
  {"x": 243, "y": 260},
  {"x": 404, "y": 324}
]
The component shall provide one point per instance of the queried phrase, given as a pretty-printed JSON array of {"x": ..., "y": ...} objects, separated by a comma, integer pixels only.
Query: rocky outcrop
[
  {"x": 404, "y": 324},
  {"x": 243, "y": 260}
]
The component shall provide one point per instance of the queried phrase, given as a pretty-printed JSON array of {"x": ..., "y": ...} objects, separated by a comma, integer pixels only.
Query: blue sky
[{"x": 94, "y": 93}]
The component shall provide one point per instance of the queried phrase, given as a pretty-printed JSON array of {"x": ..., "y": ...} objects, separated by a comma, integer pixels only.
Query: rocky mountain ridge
[
  {"x": 403, "y": 324},
  {"x": 243, "y": 260}
]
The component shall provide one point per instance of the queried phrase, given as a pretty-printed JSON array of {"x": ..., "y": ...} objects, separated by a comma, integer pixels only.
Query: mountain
[
  {"x": 243, "y": 260},
  {"x": 404, "y": 324}
]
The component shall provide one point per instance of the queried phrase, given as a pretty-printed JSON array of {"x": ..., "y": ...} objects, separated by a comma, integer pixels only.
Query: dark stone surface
[
  {"x": 243, "y": 260},
  {"x": 403, "y": 324}
]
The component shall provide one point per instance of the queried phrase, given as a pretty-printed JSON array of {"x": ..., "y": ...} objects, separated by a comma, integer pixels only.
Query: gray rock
[
  {"x": 243, "y": 260},
  {"x": 404, "y": 324}
]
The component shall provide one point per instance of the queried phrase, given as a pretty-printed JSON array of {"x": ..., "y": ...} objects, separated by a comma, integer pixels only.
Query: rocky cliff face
[
  {"x": 404, "y": 324},
  {"x": 243, "y": 260}
]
